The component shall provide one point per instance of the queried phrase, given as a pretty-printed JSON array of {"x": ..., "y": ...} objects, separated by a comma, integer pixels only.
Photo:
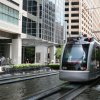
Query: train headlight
[
  {"x": 84, "y": 68},
  {"x": 64, "y": 67},
  {"x": 87, "y": 39},
  {"x": 69, "y": 39}
]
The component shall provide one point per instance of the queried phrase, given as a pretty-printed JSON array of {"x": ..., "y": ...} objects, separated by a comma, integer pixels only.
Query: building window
[
  {"x": 13, "y": 2},
  {"x": 66, "y": 3},
  {"x": 40, "y": 14},
  {"x": 74, "y": 15},
  {"x": 66, "y": 9},
  {"x": 75, "y": 3},
  {"x": 74, "y": 33},
  {"x": 24, "y": 23},
  {"x": 75, "y": 9},
  {"x": 74, "y": 27},
  {"x": 31, "y": 7},
  {"x": 66, "y": 15},
  {"x": 29, "y": 27},
  {"x": 8, "y": 14},
  {"x": 67, "y": 21},
  {"x": 75, "y": 21},
  {"x": 25, "y": 5}
]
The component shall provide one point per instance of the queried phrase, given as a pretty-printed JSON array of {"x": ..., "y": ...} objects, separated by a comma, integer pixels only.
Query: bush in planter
[
  {"x": 11, "y": 66},
  {"x": 15, "y": 65},
  {"x": 35, "y": 64},
  {"x": 27, "y": 65},
  {"x": 54, "y": 64}
]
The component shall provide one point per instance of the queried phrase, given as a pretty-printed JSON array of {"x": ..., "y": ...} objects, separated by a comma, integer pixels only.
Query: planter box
[
  {"x": 21, "y": 69},
  {"x": 54, "y": 66}
]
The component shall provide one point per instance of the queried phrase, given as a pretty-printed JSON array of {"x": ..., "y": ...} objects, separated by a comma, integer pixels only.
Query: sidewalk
[
  {"x": 7, "y": 66},
  {"x": 4, "y": 66}
]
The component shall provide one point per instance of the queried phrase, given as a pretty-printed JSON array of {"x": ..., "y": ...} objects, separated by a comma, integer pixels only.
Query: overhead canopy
[{"x": 37, "y": 42}]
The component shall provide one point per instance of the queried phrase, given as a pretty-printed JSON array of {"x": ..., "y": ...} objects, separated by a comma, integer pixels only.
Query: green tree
[
  {"x": 98, "y": 54},
  {"x": 58, "y": 52}
]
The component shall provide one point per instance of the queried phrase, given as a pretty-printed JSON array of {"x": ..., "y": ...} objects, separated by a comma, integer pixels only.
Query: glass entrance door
[{"x": 28, "y": 53}]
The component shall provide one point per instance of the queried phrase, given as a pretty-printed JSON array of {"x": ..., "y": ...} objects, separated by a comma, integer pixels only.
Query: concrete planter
[
  {"x": 21, "y": 69},
  {"x": 54, "y": 66}
]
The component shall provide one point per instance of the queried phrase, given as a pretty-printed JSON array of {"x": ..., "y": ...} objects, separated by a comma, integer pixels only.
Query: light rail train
[{"x": 80, "y": 60}]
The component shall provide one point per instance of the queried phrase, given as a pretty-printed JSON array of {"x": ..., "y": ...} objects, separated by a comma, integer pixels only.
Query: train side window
[
  {"x": 93, "y": 57},
  {"x": 98, "y": 57}
]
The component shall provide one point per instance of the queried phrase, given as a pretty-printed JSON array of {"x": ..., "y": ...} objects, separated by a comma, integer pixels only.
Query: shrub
[
  {"x": 11, "y": 65},
  {"x": 27, "y": 65},
  {"x": 54, "y": 64}
]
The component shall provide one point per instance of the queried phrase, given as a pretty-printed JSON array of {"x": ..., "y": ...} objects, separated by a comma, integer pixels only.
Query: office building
[
  {"x": 29, "y": 27},
  {"x": 82, "y": 17}
]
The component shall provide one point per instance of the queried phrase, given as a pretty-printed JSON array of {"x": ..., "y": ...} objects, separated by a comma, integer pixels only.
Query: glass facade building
[{"x": 48, "y": 19}]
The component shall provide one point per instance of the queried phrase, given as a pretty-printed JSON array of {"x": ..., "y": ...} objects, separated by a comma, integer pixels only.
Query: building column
[
  {"x": 52, "y": 54},
  {"x": 11, "y": 50},
  {"x": 41, "y": 54},
  {"x": 16, "y": 51}
]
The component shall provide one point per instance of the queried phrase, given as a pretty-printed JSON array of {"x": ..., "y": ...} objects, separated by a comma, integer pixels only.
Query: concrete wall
[{"x": 43, "y": 54}]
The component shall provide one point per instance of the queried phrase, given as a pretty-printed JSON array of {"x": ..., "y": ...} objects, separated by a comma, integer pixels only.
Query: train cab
[{"x": 76, "y": 59}]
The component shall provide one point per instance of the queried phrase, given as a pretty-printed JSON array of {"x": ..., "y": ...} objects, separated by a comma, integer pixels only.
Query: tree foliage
[
  {"x": 58, "y": 52},
  {"x": 30, "y": 50},
  {"x": 98, "y": 54}
]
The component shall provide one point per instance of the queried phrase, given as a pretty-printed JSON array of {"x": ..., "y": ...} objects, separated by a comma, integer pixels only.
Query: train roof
[{"x": 86, "y": 39}]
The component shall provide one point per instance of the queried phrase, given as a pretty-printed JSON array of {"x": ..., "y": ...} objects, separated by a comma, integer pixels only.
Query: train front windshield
[{"x": 75, "y": 57}]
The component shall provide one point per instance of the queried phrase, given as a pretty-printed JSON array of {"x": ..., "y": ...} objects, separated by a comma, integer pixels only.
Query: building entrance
[{"x": 28, "y": 53}]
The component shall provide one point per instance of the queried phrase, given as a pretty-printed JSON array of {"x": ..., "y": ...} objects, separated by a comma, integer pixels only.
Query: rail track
[
  {"x": 64, "y": 92},
  {"x": 25, "y": 77}
]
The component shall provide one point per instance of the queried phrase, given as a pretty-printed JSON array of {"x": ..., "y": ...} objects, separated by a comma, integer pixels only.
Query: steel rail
[
  {"x": 22, "y": 78},
  {"x": 74, "y": 93}
]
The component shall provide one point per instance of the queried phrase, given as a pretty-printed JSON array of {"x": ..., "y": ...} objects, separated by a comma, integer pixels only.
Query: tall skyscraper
[{"x": 82, "y": 17}]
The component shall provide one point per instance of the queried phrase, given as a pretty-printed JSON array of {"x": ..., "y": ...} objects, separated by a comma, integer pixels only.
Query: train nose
[{"x": 75, "y": 76}]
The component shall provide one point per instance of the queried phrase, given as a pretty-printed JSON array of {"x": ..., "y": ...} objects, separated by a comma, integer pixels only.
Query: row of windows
[
  {"x": 32, "y": 8},
  {"x": 47, "y": 6},
  {"x": 29, "y": 27},
  {"x": 72, "y": 9},
  {"x": 52, "y": 14},
  {"x": 73, "y": 3},
  {"x": 8, "y": 19},
  {"x": 73, "y": 21},
  {"x": 8, "y": 14},
  {"x": 74, "y": 33},
  {"x": 47, "y": 21},
  {"x": 72, "y": 15},
  {"x": 48, "y": 27},
  {"x": 9, "y": 11},
  {"x": 52, "y": 39},
  {"x": 74, "y": 27}
]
